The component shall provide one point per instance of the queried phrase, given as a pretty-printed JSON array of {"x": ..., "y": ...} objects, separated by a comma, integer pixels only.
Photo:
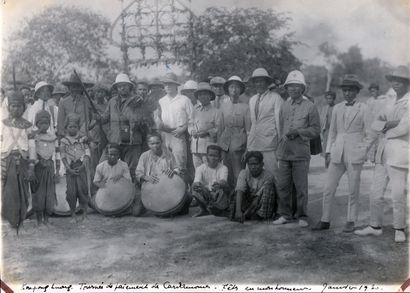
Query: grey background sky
[{"x": 379, "y": 27}]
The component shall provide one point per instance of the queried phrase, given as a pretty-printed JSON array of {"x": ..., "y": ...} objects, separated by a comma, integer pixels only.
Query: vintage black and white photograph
[{"x": 209, "y": 145}]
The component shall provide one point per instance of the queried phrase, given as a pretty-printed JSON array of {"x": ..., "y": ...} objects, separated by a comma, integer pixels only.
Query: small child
[
  {"x": 16, "y": 168},
  {"x": 75, "y": 155},
  {"x": 44, "y": 153},
  {"x": 210, "y": 187},
  {"x": 254, "y": 191}
]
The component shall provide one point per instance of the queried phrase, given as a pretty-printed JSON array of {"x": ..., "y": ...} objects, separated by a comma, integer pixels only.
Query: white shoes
[
  {"x": 399, "y": 236},
  {"x": 368, "y": 231},
  {"x": 280, "y": 221},
  {"x": 303, "y": 223}
]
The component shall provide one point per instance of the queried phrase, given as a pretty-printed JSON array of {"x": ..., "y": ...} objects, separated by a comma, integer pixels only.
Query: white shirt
[
  {"x": 208, "y": 176},
  {"x": 13, "y": 139},
  {"x": 48, "y": 106},
  {"x": 175, "y": 112}
]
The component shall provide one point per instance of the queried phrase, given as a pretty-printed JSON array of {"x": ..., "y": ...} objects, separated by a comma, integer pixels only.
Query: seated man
[
  {"x": 210, "y": 187},
  {"x": 156, "y": 161},
  {"x": 112, "y": 170},
  {"x": 254, "y": 191}
]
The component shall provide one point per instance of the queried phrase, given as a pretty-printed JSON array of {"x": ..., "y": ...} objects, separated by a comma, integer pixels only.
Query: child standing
[
  {"x": 75, "y": 155},
  {"x": 44, "y": 153},
  {"x": 16, "y": 168}
]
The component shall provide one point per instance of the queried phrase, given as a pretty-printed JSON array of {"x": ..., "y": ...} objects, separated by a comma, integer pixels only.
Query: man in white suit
[
  {"x": 392, "y": 124},
  {"x": 264, "y": 108},
  {"x": 348, "y": 143}
]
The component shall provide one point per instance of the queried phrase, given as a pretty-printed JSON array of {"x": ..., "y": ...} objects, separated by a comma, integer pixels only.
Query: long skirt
[
  {"x": 15, "y": 192},
  {"x": 77, "y": 187},
  {"x": 44, "y": 189}
]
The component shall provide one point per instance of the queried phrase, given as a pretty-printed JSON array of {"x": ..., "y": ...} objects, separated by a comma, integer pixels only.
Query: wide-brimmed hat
[
  {"x": 205, "y": 87},
  {"x": 402, "y": 72},
  {"x": 189, "y": 85},
  {"x": 73, "y": 80},
  {"x": 351, "y": 80},
  {"x": 122, "y": 78},
  {"x": 295, "y": 77},
  {"x": 42, "y": 84},
  {"x": 234, "y": 79},
  {"x": 59, "y": 89},
  {"x": 155, "y": 82},
  {"x": 170, "y": 77},
  {"x": 261, "y": 72},
  {"x": 217, "y": 80}
]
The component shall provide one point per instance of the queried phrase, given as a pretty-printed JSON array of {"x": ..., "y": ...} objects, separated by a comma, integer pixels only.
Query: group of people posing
[{"x": 246, "y": 160}]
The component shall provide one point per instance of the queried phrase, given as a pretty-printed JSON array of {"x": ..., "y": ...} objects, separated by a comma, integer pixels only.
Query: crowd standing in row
[{"x": 240, "y": 158}]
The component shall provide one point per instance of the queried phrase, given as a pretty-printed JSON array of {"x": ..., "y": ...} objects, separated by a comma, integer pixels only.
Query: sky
[{"x": 380, "y": 27}]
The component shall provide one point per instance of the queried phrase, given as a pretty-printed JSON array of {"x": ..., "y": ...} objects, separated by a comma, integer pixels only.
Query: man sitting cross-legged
[{"x": 210, "y": 187}]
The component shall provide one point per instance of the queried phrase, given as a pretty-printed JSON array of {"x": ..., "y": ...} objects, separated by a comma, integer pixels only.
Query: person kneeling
[
  {"x": 254, "y": 191},
  {"x": 210, "y": 187}
]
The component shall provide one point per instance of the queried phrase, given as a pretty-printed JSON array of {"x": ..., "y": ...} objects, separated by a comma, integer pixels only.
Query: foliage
[
  {"x": 53, "y": 42},
  {"x": 352, "y": 62},
  {"x": 236, "y": 42}
]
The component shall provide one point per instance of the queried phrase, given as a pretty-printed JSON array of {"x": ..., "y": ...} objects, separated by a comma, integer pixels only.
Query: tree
[
  {"x": 236, "y": 42},
  {"x": 352, "y": 62},
  {"x": 53, "y": 42}
]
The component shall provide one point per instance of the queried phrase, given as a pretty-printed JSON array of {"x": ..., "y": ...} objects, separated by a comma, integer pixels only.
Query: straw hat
[
  {"x": 122, "y": 78},
  {"x": 400, "y": 72},
  {"x": 59, "y": 89},
  {"x": 170, "y": 78},
  {"x": 205, "y": 87},
  {"x": 42, "y": 84},
  {"x": 234, "y": 79},
  {"x": 295, "y": 77},
  {"x": 351, "y": 80},
  {"x": 261, "y": 72},
  {"x": 189, "y": 85},
  {"x": 217, "y": 80}
]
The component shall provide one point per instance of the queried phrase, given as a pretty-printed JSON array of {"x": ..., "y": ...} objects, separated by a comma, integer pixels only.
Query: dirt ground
[{"x": 207, "y": 249}]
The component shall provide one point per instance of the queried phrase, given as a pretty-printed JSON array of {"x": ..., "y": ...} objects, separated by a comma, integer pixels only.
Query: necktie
[
  {"x": 257, "y": 106},
  {"x": 44, "y": 105},
  {"x": 350, "y": 104}
]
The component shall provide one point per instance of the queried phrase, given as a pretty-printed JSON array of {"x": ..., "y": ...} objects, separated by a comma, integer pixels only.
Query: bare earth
[{"x": 207, "y": 249}]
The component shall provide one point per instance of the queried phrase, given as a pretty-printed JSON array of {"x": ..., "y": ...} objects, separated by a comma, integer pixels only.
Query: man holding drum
[{"x": 153, "y": 169}]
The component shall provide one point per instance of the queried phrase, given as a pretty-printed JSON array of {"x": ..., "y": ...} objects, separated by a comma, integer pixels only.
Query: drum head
[
  {"x": 165, "y": 197},
  {"x": 115, "y": 197}
]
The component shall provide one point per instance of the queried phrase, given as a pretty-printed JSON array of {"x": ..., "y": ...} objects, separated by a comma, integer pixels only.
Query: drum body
[
  {"x": 62, "y": 208},
  {"x": 165, "y": 198},
  {"x": 115, "y": 198}
]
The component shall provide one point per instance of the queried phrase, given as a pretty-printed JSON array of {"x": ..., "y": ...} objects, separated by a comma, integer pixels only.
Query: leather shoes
[{"x": 321, "y": 226}]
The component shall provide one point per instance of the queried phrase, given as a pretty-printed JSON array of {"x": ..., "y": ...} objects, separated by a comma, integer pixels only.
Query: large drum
[
  {"x": 165, "y": 198},
  {"x": 62, "y": 208},
  {"x": 115, "y": 198}
]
